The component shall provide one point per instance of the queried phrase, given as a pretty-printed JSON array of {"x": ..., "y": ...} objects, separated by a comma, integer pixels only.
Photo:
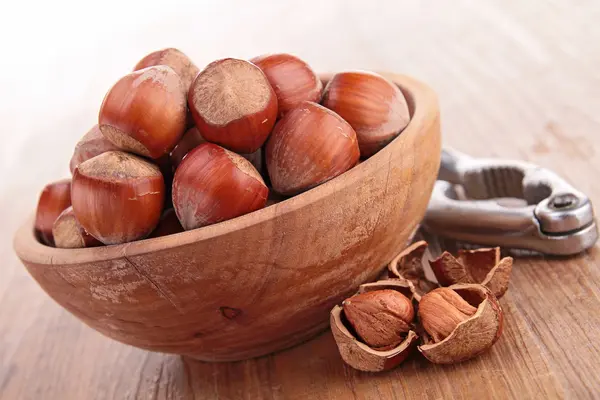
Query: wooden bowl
[{"x": 261, "y": 282}]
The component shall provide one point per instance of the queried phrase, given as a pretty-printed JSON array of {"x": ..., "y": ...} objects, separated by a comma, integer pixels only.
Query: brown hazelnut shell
[
  {"x": 293, "y": 80},
  {"x": 118, "y": 197},
  {"x": 167, "y": 225},
  {"x": 144, "y": 112},
  {"x": 408, "y": 265},
  {"x": 309, "y": 146},
  {"x": 69, "y": 234},
  {"x": 189, "y": 141},
  {"x": 213, "y": 184},
  {"x": 233, "y": 105},
  {"x": 472, "y": 336},
  {"x": 482, "y": 266},
  {"x": 174, "y": 58},
  {"x": 54, "y": 199},
  {"x": 374, "y": 106},
  {"x": 192, "y": 139},
  {"x": 359, "y": 355},
  {"x": 89, "y": 146}
]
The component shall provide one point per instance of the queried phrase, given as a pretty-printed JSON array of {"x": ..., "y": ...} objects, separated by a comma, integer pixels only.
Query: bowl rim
[{"x": 420, "y": 98}]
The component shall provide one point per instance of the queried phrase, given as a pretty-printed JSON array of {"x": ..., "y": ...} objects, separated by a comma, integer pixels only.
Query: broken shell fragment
[
  {"x": 472, "y": 335},
  {"x": 408, "y": 265},
  {"x": 482, "y": 266}
]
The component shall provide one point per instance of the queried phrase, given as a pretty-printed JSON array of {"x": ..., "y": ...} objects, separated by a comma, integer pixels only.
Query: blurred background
[
  {"x": 60, "y": 57},
  {"x": 516, "y": 79}
]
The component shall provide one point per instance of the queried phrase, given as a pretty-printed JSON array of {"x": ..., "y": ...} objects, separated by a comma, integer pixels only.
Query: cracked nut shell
[
  {"x": 441, "y": 310},
  {"x": 472, "y": 335},
  {"x": 482, "y": 266},
  {"x": 408, "y": 265},
  {"x": 381, "y": 317},
  {"x": 360, "y": 355}
]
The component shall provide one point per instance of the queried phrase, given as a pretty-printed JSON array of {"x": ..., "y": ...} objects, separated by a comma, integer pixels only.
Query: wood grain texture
[{"x": 515, "y": 79}]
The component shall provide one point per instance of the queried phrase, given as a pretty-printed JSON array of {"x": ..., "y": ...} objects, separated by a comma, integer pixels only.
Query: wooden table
[{"x": 515, "y": 79}]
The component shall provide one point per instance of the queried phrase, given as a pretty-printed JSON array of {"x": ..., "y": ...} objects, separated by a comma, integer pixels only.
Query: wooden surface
[{"x": 515, "y": 79}]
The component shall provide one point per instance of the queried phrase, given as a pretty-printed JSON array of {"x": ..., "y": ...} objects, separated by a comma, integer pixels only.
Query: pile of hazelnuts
[{"x": 176, "y": 148}]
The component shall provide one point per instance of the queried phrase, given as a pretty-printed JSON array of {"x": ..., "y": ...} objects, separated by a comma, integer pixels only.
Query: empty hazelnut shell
[
  {"x": 409, "y": 265},
  {"x": 482, "y": 266},
  {"x": 358, "y": 354}
]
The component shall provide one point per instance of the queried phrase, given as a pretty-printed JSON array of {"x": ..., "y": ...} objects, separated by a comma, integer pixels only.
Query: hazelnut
[
  {"x": 90, "y": 145},
  {"x": 176, "y": 59},
  {"x": 381, "y": 318},
  {"x": 482, "y": 266},
  {"x": 167, "y": 225},
  {"x": 145, "y": 112},
  {"x": 54, "y": 199},
  {"x": 309, "y": 146},
  {"x": 233, "y": 105},
  {"x": 292, "y": 79},
  {"x": 192, "y": 139},
  {"x": 69, "y": 234},
  {"x": 390, "y": 325},
  {"x": 372, "y": 105},
  {"x": 441, "y": 310},
  {"x": 460, "y": 322},
  {"x": 213, "y": 184},
  {"x": 118, "y": 197},
  {"x": 189, "y": 141}
]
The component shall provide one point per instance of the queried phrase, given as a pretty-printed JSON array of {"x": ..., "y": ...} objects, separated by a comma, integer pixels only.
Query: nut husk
[
  {"x": 482, "y": 266},
  {"x": 472, "y": 336},
  {"x": 361, "y": 356}
]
